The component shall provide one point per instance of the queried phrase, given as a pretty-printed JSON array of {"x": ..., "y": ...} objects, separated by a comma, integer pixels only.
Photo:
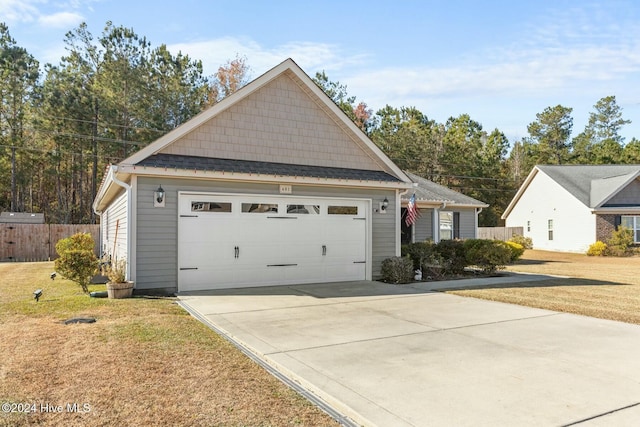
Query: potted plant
[{"x": 118, "y": 286}]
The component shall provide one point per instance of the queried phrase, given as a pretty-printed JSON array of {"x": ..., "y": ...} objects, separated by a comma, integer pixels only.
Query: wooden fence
[
  {"x": 499, "y": 233},
  {"x": 37, "y": 242}
]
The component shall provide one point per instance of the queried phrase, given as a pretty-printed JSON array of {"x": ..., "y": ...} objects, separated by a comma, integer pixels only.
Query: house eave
[
  {"x": 631, "y": 210},
  {"x": 109, "y": 189},
  {"x": 439, "y": 203},
  {"x": 520, "y": 192},
  {"x": 257, "y": 177}
]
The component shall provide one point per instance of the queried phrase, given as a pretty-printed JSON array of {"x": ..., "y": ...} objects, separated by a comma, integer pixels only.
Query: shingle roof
[
  {"x": 430, "y": 191},
  {"x": 591, "y": 184},
  {"x": 173, "y": 161}
]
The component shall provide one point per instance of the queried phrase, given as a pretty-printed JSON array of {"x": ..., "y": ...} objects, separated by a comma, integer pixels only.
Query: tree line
[
  {"x": 461, "y": 155},
  {"x": 109, "y": 96},
  {"x": 112, "y": 94}
]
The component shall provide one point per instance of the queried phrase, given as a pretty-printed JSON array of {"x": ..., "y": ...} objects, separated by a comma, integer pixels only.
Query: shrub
[
  {"x": 597, "y": 249},
  {"x": 620, "y": 242},
  {"x": 525, "y": 242},
  {"x": 516, "y": 250},
  {"x": 452, "y": 254},
  {"x": 423, "y": 254},
  {"x": 79, "y": 241},
  {"x": 618, "y": 251},
  {"x": 488, "y": 255},
  {"x": 397, "y": 270},
  {"x": 77, "y": 261}
]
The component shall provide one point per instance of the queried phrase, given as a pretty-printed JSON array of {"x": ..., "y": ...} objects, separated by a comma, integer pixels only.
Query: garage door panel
[
  {"x": 295, "y": 240},
  {"x": 344, "y": 271}
]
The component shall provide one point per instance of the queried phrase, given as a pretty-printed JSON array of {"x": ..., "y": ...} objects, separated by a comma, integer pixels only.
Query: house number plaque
[{"x": 285, "y": 189}]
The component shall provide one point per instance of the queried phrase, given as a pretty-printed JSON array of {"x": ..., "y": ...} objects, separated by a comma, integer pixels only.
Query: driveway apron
[{"x": 386, "y": 355}]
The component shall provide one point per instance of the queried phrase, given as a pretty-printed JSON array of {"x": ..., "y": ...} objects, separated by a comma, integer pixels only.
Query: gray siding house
[
  {"x": 444, "y": 213},
  {"x": 272, "y": 185}
]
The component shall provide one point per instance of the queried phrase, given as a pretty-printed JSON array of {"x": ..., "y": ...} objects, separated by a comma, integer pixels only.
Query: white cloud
[
  {"x": 563, "y": 57},
  {"x": 13, "y": 11},
  {"x": 37, "y": 11},
  {"x": 309, "y": 55},
  {"x": 60, "y": 20}
]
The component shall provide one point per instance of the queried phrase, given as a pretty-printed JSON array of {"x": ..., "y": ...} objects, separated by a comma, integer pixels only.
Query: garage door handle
[
  {"x": 237, "y": 251},
  {"x": 324, "y": 250},
  {"x": 188, "y": 268}
]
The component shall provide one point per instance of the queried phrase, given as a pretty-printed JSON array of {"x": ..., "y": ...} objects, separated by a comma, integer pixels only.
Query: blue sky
[{"x": 501, "y": 62}]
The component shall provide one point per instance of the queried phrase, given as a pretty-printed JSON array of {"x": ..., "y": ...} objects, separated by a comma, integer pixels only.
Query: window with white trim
[
  {"x": 633, "y": 224},
  {"x": 446, "y": 225},
  {"x": 550, "y": 228}
]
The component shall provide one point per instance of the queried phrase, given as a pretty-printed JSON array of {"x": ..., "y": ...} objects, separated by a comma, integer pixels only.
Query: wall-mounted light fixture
[
  {"x": 158, "y": 198},
  {"x": 383, "y": 206}
]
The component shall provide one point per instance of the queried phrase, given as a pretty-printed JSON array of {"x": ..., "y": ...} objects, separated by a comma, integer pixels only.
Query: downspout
[
  {"x": 127, "y": 188},
  {"x": 99, "y": 213},
  {"x": 475, "y": 230}
]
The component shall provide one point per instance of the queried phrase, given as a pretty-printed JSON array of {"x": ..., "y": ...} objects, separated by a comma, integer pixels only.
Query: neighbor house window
[
  {"x": 550, "y": 228},
  {"x": 633, "y": 224},
  {"x": 528, "y": 225},
  {"x": 446, "y": 225}
]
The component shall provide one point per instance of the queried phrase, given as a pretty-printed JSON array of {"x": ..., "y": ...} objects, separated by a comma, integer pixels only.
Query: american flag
[{"x": 412, "y": 211}]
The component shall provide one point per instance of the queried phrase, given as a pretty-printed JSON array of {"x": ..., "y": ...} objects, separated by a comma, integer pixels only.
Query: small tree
[{"x": 77, "y": 261}]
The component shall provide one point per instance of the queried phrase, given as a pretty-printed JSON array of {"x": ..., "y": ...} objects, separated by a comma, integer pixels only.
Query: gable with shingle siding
[{"x": 278, "y": 123}]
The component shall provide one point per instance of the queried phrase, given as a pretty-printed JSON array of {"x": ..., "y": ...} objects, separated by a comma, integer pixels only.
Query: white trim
[
  {"x": 398, "y": 227},
  {"x": 104, "y": 186},
  {"x": 520, "y": 192}
]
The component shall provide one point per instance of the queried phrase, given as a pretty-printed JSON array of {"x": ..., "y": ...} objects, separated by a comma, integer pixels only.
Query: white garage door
[{"x": 229, "y": 241}]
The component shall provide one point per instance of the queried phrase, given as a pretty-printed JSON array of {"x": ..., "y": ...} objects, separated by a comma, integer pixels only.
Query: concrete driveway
[{"x": 385, "y": 355}]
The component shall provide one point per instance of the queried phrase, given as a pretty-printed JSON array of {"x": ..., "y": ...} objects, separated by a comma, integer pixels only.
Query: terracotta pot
[{"x": 120, "y": 290}]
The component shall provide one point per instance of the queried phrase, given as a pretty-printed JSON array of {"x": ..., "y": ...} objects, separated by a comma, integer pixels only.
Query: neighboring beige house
[
  {"x": 272, "y": 185},
  {"x": 569, "y": 207},
  {"x": 444, "y": 213}
]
